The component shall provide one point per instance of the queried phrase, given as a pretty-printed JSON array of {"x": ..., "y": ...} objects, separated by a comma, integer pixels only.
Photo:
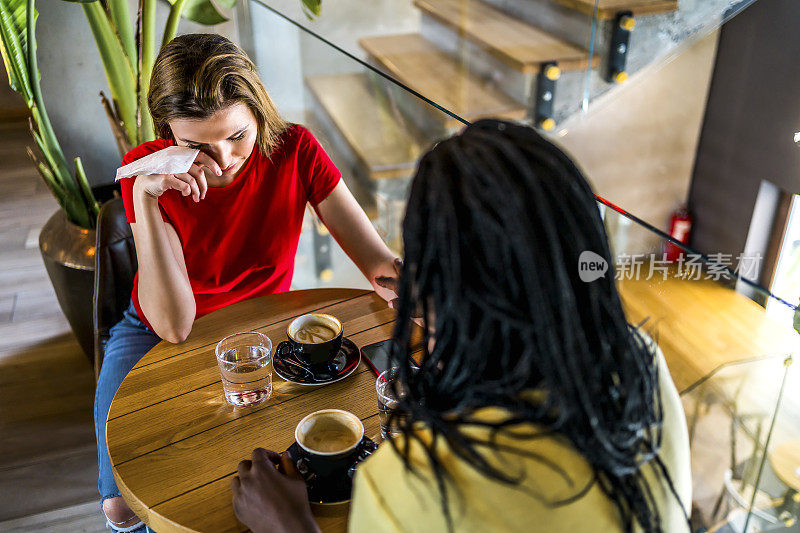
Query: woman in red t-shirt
[{"x": 228, "y": 229}]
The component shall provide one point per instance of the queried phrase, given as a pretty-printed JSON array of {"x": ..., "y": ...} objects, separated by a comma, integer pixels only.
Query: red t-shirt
[{"x": 240, "y": 241}]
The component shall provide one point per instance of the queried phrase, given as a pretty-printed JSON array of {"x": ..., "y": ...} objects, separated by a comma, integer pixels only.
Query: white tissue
[{"x": 170, "y": 160}]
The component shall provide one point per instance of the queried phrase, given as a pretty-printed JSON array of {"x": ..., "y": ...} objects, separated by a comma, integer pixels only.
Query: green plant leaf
[
  {"x": 203, "y": 12},
  {"x": 171, "y": 27},
  {"x": 14, "y": 45},
  {"x": 48, "y": 177},
  {"x": 147, "y": 57},
  {"x": 88, "y": 196},
  {"x": 121, "y": 18},
  {"x": 46, "y": 152},
  {"x": 75, "y": 212},
  {"x": 121, "y": 79},
  {"x": 38, "y": 109},
  {"x": 227, "y": 4},
  {"x": 312, "y": 8}
]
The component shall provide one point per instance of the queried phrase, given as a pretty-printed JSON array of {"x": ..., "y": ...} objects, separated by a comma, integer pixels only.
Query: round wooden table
[
  {"x": 175, "y": 443},
  {"x": 785, "y": 461}
]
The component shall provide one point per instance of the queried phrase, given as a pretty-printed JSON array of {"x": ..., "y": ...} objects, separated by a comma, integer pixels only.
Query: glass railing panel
[
  {"x": 497, "y": 55},
  {"x": 774, "y": 497},
  {"x": 373, "y": 129},
  {"x": 682, "y": 144},
  {"x": 596, "y": 47},
  {"x": 638, "y": 37},
  {"x": 376, "y": 127},
  {"x": 637, "y": 140},
  {"x": 727, "y": 357},
  {"x": 691, "y": 302},
  {"x": 737, "y": 432},
  {"x": 344, "y": 22},
  {"x": 475, "y": 58}
]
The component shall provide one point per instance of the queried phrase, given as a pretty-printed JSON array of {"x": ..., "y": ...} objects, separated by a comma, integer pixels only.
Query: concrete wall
[
  {"x": 637, "y": 145},
  {"x": 343, "y": 22},
  {"x": 72, "y": 77},
  {"x": 276, "y": 52},
  {"x": 285, "y": 54}
]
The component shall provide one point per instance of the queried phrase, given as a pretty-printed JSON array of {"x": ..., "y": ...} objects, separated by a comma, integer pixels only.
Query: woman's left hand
[
  {"x": 269, "y": 494},
  {"x": 391, "y": 283}
]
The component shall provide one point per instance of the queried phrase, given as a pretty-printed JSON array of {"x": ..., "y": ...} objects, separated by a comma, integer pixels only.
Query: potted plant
[
  {"x": 67, "y": 240},
  {"x": 128, "y": 61}
]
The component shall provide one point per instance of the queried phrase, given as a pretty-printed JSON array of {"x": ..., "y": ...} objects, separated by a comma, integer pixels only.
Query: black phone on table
[{"x": 377, "y": 356}]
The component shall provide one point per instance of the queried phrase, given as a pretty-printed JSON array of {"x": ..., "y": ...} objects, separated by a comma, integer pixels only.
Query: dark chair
[{"x": 115, "y": 266}]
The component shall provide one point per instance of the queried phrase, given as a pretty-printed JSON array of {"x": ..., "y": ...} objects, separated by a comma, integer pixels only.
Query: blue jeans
[{"x": 129, "y": 341}]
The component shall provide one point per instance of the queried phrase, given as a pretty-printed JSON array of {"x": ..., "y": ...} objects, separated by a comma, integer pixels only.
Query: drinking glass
[
  {"x": 387, "y": 400},
  {"x": 245, "y": 362}
]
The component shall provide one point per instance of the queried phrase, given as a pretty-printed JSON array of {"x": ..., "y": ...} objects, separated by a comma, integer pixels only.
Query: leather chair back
[{"x": 115, "y": 267}]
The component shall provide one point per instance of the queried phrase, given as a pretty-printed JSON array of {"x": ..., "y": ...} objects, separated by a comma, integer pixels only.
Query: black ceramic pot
[{"x": 68, "y": 254}]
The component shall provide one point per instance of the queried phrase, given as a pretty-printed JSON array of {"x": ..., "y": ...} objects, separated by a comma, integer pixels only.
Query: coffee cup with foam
[
  {"x": 330, "y": 439},
  {"x": 314, "y": 339}
]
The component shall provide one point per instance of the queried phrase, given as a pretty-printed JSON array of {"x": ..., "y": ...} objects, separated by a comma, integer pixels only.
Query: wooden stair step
[
  {"x": 384, "y": 146},
  {"x": 608, "y": 9},
  {"x": 509, "y": 39},
  {"x": 419, "y": 64}
]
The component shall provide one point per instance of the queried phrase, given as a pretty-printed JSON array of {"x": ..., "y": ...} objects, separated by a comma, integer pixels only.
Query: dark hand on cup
[
  {"x": 269, "y": 494},
  {"x": 393, "y": 284}
]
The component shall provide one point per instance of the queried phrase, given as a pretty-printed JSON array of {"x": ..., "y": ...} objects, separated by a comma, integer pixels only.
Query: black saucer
[
  {"x": 330, "y": 491},
  {"x": 291, "y": 369}
]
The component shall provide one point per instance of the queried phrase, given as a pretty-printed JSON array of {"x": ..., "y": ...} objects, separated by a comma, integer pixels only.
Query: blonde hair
[{"x": 198, "y": 74}]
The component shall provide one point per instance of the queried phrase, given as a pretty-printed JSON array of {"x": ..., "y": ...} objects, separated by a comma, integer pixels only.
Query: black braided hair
[{"x": 496, "y": 220}]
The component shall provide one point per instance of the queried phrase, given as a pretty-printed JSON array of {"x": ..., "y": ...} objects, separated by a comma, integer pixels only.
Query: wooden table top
[
  {"x": 785, "y": 461},
  {"x": 702, "y": 324},
  {"x": 175, "y": 443}
]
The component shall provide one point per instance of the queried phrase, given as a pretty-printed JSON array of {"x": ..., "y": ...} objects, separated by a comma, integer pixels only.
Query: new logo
[{"x": 591, "y": 266}]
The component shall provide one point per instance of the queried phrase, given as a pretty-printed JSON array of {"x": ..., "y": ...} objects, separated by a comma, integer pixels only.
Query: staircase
[{"x": 525, "y": 60}]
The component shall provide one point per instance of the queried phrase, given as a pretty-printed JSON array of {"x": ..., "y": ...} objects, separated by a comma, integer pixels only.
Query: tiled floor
[{"x": 47, "y": 451}]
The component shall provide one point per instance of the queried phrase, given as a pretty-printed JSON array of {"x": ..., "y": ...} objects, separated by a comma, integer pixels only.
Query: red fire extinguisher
[{"x": 680, "y": 228}]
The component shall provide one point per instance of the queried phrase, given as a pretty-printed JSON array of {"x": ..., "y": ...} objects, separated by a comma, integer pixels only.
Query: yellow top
[{"x": 388, "y": 498}]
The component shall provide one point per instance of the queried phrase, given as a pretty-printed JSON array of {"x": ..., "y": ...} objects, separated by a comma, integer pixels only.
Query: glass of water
[
  {"x": 245, "y": 362},
  {"x": 387, "y": 400}
]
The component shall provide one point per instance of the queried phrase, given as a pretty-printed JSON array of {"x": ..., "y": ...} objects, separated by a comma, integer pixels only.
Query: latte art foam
[{"x": 314, "y": 333}]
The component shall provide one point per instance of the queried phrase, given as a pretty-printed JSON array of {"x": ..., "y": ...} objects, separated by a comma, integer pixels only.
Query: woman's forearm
[
  {"x": 165, "y": 294},
  {"x": 355, "y": 234}
]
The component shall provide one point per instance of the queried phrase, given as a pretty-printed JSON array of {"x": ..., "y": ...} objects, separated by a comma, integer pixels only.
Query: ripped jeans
[{"x": 130, "y": 340}]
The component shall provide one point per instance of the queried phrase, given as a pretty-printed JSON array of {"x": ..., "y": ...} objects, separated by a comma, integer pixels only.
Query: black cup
[
  {"x": 312, "y": 353},
  {"x": 330, "y": 463}
]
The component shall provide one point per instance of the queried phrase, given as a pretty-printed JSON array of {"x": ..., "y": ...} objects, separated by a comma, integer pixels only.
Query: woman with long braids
[{"x": 537, "y": 406}]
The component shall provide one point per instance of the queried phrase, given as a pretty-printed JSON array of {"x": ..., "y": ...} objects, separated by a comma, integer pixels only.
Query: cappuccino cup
[
  {"x": 330, "y": 440},
  {"x": 314, "y": 339}
]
